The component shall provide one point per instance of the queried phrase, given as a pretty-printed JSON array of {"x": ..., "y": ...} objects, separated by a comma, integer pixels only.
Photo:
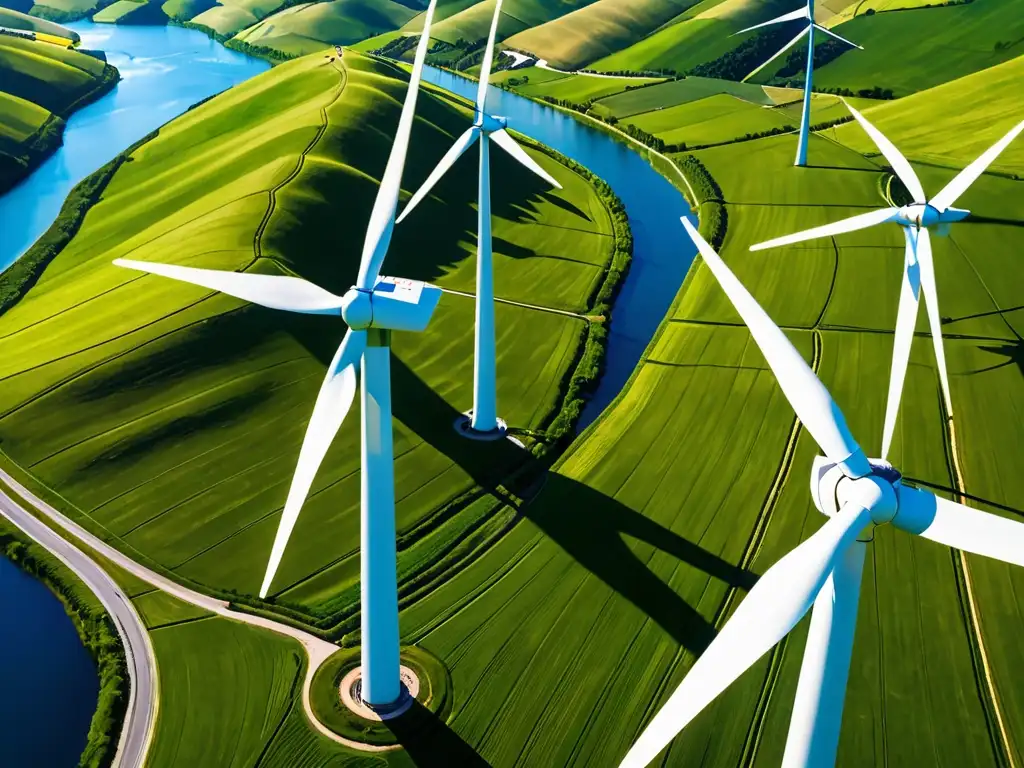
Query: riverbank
[
  {"x": 42, "y": 85},
  {"x": 96, "y": 630}
]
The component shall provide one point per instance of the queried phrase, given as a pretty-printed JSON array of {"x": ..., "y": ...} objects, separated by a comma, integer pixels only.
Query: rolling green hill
[
  {"x": 597, "y": 30},
  {"x": 936, "y": 45},
  {"x": 41, "y": 84},
  {"x": 15, "y": 17},
  {"x": 699, "y": 35},
  {"x": 172, "y": 418},
  {"x": 307, "y": 28}
]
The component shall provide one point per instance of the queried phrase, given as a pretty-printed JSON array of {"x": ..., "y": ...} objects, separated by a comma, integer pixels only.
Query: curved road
[
  {"x": 140, "y": 718},
  {"x": 142, "y": 695}
]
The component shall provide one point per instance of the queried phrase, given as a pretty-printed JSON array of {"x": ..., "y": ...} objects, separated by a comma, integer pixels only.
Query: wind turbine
[
  {"x": 919, "y": 271},
  {"x": 486, "y": 128},
  {"x": 808, "y": 14},
  {"x": 856, "y": 494},
  {"x": 373, "y": 308}
]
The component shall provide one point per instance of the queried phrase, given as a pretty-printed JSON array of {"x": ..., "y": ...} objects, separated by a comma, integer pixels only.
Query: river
[
  {"x": 661, "y": 251},
  {"x": 165, "y": 70}
]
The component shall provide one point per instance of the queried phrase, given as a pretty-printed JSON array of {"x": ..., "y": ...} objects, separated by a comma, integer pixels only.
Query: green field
[
  {"x": 674, "y": 93},
  {"x": 15, "y": 17},
  {"x": 696, "y": 36},
  {"x": 578, "y": 88},
  {"x": 936, "y": 45},
  {"x": 188, "y": 467},
  {"x": 40, "y": 85},
  {"x": 597, "y": 30}
]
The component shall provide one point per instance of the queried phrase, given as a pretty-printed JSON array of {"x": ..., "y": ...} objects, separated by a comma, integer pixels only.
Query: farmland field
[
  {"x": 587, "y": 596},
  {"x": 190, "y": 407},
  {"x": 993, "y": 31}
]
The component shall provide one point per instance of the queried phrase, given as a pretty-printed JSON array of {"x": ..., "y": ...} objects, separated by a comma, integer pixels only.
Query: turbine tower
[
  {"x": 806, "y": 13},
  {"x": 856, "y": 494},
  {"x": 373, "y": 308},
  {"x": 918, "y": 269},
  {"x": 486, "y": 128}
]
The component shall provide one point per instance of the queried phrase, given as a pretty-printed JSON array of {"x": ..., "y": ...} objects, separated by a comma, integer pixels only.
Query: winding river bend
[{"x": 165, "y": 70}]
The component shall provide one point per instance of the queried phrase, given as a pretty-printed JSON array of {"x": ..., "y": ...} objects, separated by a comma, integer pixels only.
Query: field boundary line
[
  {"x": 257, "y": 243},
  {"x": 1004, "y": 742}
]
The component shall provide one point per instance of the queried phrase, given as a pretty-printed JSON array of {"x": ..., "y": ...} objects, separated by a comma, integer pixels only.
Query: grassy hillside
[
  {"x": 15, "y": 18},
  {"x": 40, "y": 85},
  {"x": 597, "y": 30},
  {"x": 172, "y": 417},
  {"x": 936, "y": 45},
  {"x": 309, "y": 27},
  {"x": 698, "y": 35}
]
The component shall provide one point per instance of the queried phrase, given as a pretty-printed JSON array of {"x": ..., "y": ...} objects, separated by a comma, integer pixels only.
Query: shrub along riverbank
[{"x": 96, "y": 630}]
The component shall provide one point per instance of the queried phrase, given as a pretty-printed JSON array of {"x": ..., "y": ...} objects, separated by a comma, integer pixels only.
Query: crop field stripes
[
  {"x": 534, "y": 307},
  {"x": 1002, "y": 746}
]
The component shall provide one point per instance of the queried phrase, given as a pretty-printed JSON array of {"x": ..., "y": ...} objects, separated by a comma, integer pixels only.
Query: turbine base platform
[
  {"x": 333, "y": 700},
  {"x": 464, "y": 426},
  {"x": 351, "y": 684}
]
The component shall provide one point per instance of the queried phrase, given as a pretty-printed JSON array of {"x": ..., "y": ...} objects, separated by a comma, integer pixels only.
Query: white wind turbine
[
  {"x": 801, "y": 13},
  {"x": 486, "y": 128},
  {"x": 373, "y": 308},
  {"x": 825, "y": 570},
  {"x": 919, "y": 271}
]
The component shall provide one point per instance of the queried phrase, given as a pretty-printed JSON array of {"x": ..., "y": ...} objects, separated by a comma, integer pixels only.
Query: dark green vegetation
[
  {"x": 173, "y": 417},
  {"x": 41, "y": 84},
  {"x": 96, "y": 630},
  {"x": 434, "y": 698}
]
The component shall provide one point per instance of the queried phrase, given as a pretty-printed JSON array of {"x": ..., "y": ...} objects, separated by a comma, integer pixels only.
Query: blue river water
[
  {"x": 50, "y": 683},
  {"x": 164, "y": 71},
  {"x": 49, "y": 680}
]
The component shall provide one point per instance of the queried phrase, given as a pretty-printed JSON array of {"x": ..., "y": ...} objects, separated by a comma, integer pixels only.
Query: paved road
[
  {"x": 142, "y": 696},
  {"x": 139, "y": 728}
]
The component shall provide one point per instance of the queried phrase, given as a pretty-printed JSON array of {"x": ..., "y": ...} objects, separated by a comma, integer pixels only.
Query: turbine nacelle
[
  {"x": 490, "y": 123},
  {"x": 394, "y": 304},
  {"x": 877, "y": 492},
  {"x": 926, "y": 215}
]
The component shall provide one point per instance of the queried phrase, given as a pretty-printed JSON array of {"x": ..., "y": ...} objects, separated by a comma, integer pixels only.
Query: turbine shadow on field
[
  {"x": 592, "y": 527},
  {"x": 430, "y": 743},
  {"x": 588, "y": 525},
  {"x": 1013, "y": 351}
]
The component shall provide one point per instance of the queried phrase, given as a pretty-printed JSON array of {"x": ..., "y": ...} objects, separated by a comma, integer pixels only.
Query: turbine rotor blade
[
  {"x": 970, "y": 174},
  {"x": 852, "y": 224},
  {"x": 779, "y": 52},
  {"x": 837, "y": 37},
  {"x": 799, "y": 13},
  {"x": 955, "y": 525},
  {"x": 773, "y": 607},
  {"x": 464, "y": 142},
  {"x": 806, "y": 394},
  {"x": 382, "y": 217},
  {"x": 899, "y": 163},
  {"x": 504, "y": 140},
  {"x": 332, "y": 405},
  {"x": 931, "y": 302},
  {"x": 485, "y": 67},
  {"x": 906, "y": 320},
  {"x": 291, "y": 294}
]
